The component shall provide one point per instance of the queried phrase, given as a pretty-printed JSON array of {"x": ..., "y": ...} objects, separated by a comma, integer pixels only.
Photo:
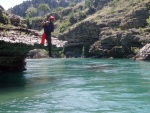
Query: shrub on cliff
[
  {"x": 64, "y": 26},
  {"x": 34, "y": 23},
  {"x": 88, "y": 3},
  {"x": 72, "y": 19},
  {"x": 15, "y": 20},
  {"x": 4, "y": 18},
  {"x": 43, "y": 9},
  {"x": 148, "y": 21},
  {"x": 82, "y": 15}
]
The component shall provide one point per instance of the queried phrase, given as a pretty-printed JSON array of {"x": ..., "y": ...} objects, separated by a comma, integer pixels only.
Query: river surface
[{"x": 78, "y": 86}]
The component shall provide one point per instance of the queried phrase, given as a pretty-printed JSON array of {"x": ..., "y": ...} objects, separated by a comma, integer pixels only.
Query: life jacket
[{"x": 43, "y": 38}]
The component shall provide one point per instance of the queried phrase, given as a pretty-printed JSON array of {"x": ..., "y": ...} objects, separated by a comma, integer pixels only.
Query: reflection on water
[
  {"x": 77, "y": 86},
  {"x": 12, "y": 80}
]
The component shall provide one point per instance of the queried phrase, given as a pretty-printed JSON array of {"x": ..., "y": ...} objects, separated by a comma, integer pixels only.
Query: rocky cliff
[
  {"x": 107, "y": 28},
  {"x": 115, "y": 28},
  {"x": 15, "y": 43}
]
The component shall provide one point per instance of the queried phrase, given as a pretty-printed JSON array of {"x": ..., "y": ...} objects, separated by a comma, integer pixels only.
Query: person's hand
[
  {"x": 47, "y": 22},
  {"x": 43, "y": 23}
]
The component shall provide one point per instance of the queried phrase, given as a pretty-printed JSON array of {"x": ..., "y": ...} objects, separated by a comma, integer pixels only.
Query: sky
[{"x": 6, "y": 4}]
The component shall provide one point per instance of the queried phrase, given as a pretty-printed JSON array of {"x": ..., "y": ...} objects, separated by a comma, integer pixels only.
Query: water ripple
[{"x": 80, "y": 86}]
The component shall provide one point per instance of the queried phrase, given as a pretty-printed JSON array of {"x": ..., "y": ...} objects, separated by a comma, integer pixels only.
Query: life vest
[{"x": 43, "y": 38}]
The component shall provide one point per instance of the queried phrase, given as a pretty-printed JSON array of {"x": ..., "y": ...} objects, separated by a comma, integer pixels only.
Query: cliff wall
[{"x": 115, "y": 28}]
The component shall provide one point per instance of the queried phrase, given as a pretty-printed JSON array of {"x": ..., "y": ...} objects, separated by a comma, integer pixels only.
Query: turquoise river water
[{"x": 78, "y": 86}]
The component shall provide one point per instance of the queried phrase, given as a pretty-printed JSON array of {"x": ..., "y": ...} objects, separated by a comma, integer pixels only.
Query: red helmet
[{"x": 51, "y": 18}]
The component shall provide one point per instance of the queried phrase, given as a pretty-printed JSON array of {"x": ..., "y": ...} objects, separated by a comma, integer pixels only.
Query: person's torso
[{"x": 49, "y": 27}]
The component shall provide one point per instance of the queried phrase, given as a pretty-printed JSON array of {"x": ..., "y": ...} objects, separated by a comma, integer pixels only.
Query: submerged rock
[{"x": 38, "y": 53}]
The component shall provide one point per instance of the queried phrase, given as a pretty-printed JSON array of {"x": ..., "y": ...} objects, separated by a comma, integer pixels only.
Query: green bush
[
  {"x": 148, "y": 21},
  {"x": 4, "y": 18},
  {"x": 30, "y": 21},
  {"x": 44, "y": 8},
  {"x": 72, "y": 4},
  {"x": 31, "y": 12},
  {"x": 15, "y": 21},
  {"x": 113, "y": 3},
  {"x": 82, "y": 15},
  {"x": 72, "y": 19},
  {"x": 88, "y": 3},
  {"x": 57, "y": 9},
  {"x": 64, "y": 26}
]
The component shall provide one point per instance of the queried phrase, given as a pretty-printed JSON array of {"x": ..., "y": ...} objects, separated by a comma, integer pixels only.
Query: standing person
[{"x": 48, "y": 28}]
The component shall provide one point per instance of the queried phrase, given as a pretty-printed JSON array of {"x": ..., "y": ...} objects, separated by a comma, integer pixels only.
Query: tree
[
  {"x": 31, "y": 12},
  {"x": 43, "y": 9}
]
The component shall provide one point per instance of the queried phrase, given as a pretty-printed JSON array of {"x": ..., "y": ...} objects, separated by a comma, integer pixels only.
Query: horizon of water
[{"x": 78, "y": 86}]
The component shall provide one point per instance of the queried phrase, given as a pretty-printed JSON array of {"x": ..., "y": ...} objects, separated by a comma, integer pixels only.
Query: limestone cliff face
[
  {"x": 136, "y": 17},
  {"x": 113, "y": 30},
  {"x": 99, "y": 4},
  {"x": 85, "y": 32},
  {"x": 106, "y": 29},
  {"x": 119, "y": 43}
]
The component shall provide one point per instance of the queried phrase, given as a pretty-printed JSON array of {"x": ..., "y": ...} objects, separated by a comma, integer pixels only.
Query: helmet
[{"x": 51, "y": 18}]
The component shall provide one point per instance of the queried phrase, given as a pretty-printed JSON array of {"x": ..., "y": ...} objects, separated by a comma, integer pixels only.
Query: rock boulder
[{"x": 144, "y": 53}]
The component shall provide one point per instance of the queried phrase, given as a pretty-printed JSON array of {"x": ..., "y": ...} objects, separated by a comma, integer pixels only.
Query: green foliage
[
  {"x": 141, "y": 29},
  {"x": 72, "y": 18},
  {"x": 57, "y": 51},
  {"x": 135, "y": 49},
  {"x": 57, "y": 9},
  {"x": 15, "y": 21},
  {"x": 30, "y": 21},
  {"x": 88, "y": 3},
  {"x": 72, "y": 4},
  {"x": 148, "y": 21},
  {"x": 36, "y": 19},
  {"x": 31, "y": 12},
  {"x": 4, "y": 18},
  {"x": 112, "y": 3},
  {"x": 44, "y": 7},
  {"x": 82, "y": 15},
  {"x": 64, "y": 26}
]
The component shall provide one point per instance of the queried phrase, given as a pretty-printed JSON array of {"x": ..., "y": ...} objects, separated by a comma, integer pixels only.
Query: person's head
[{"x": 51, "y": 18}]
